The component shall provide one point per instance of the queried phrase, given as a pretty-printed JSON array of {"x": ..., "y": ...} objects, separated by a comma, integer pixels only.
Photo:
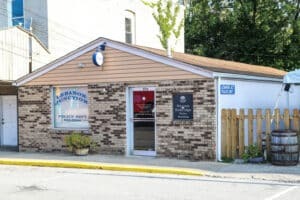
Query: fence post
[
  {"x": 277, "y": 118},
  {"x": 228, "y": 134},
  {"x": 296, "y": 120},
  {"x": 286, "y": 118},
  {"x": 224, "y": 118},
  {"x": 268, "y": 131},
  {"x": 241, "y": 132},
  {"x": 250, "y": 127},
  {"x": 258, "y": 127},
  {"x": 234, "y": 133}
]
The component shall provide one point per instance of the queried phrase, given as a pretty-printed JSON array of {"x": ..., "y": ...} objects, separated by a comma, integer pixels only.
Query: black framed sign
[{"x": 182, "y": 106}]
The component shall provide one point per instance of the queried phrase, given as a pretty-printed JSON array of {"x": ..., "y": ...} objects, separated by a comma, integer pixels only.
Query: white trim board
[{"x": 245, "y": 77}]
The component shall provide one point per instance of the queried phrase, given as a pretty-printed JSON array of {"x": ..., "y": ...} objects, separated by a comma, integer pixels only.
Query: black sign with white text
[{"x": 182, "y": 106}]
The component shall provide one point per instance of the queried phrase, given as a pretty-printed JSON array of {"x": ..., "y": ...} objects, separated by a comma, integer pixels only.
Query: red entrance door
[{"x": 144, "y": 120}]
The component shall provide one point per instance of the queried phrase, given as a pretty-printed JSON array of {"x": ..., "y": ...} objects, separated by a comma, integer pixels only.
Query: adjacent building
[{"x": 63, "y": 25}]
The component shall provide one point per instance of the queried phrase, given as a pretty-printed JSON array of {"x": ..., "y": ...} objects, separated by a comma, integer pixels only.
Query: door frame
[
  {"x": 129, "y": 122},
  {"x": 1, "y": 118},
  {"x": 2, "y": 145}
]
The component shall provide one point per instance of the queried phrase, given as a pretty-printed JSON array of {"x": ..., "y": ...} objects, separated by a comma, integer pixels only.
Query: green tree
[
  {"x": 264, "y": 32},
  {"x": 166, "y": 13}
]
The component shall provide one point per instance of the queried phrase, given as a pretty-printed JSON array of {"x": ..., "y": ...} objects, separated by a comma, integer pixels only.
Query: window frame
[
  {"x": 13, "y": 18},
  {"x": 130, "y": 15},
  {"x": 128, "y": 32},
  {"x": 52, "y": 95}
]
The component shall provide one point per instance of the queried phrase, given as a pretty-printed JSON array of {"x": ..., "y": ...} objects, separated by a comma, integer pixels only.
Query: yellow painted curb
[{"x": 101, "y": 166}]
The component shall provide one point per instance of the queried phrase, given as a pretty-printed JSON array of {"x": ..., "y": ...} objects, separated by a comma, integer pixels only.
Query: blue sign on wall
[{"x": 227, "y": 89}]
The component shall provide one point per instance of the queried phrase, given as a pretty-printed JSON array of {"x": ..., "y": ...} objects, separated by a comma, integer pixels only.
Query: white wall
[
  {"x": 255, "y": 94},
  {"x": 64, "y": 25},
  {"x": 73, "y": 23},
  {"x": 14, "y": 54}
]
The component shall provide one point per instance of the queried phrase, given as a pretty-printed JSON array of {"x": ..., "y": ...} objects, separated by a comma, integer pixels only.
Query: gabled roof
[
  {"x": 27, "y": 32},
  {"x": 223, "y": 66},
  {"x": 202, "y": 66}
]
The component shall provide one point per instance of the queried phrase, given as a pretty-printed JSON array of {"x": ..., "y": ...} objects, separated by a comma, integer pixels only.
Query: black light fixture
[{"x": 102, "y": 46}]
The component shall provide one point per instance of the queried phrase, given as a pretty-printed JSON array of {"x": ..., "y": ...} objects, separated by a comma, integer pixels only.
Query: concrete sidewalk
[{"x": 134, "y": 163}]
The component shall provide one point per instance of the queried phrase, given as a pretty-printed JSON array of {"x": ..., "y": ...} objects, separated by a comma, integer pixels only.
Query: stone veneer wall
[{"x": 107, "y": 117}]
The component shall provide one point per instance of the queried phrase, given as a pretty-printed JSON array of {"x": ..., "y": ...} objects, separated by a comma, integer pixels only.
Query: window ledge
[{"x": 69, "y": 130}]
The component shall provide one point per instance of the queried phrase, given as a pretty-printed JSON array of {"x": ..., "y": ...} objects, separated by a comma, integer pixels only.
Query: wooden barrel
[{"x": 284, "y": 148}]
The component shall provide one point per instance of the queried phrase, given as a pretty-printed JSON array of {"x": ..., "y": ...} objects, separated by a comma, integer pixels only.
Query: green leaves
[
  {"x": 77, "y": 141},
  {"x": 252, "y": 151},
  {"x": 166, "y": 14},
  {"x": 264, "y": 32}
]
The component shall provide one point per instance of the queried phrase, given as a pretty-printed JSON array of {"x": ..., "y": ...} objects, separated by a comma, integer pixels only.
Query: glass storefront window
[{"x": 70, "y": 107}]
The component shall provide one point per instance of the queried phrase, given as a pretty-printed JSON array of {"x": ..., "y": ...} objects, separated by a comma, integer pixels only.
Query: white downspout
[
  {"x": 219, "y": 122},
  {"x": 169, "y": 50},
  {"x": 288, "y": 99}
]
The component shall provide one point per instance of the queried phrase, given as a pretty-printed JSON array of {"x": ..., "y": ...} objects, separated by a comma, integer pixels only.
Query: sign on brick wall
[{"x": 182, "y": 106}]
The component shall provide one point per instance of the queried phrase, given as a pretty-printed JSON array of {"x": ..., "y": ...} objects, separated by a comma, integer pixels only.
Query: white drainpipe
[
  {"x": 169, "y": 50},
  {"x": 219, "y": 121}
]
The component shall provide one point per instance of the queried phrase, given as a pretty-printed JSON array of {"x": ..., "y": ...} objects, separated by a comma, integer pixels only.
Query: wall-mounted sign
[
  {"x": 182, "y": 106},
  {"x": 227, "y": 89},
  {"x": 70, "y": 107}
]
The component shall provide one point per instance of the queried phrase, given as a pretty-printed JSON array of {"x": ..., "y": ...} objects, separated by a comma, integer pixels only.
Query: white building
[
  {"x": 16, "y": 44},
  {"x": 63, "y": 25}
]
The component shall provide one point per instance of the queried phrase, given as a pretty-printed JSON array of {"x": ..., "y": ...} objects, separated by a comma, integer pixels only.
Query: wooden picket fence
[{"x": 234, "y": 133}]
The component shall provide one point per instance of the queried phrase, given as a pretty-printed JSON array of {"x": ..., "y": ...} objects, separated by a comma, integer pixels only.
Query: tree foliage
[
  {"x": 165, "y": 13},
  {"x": 264, "y": 32}
]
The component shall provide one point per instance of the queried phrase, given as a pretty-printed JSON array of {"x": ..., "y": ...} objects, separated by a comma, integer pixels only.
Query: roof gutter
[{"x": 246, "y": 77}]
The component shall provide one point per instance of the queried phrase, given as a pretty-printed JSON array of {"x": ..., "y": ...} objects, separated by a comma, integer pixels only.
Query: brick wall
[
  {"x": 35, "y": 120},
  {"x": 186, "y": 139},
  {"x": 107, "y": 117}
]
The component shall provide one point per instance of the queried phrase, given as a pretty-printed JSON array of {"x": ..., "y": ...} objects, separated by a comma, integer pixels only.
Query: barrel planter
[{"x": 284, "y": 148}]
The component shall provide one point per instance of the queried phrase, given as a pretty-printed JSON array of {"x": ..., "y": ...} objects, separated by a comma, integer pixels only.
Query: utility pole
[{"x": 30, "y": 47}]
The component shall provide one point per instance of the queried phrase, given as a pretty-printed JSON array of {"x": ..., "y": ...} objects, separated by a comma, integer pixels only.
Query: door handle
[
  {"x": 143, "y": 119},
  {"x": 2, "y": 121}
]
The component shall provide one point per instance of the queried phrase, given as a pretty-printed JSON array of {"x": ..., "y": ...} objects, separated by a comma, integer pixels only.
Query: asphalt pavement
[
  {"x": 284, "y": 174},
  {"x": 37, "y": 183}
]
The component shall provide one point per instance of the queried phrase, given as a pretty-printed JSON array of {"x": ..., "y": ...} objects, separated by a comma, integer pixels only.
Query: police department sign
[
  {"x": 70, "y": 107},
  {"x": 71, "y": 95}
]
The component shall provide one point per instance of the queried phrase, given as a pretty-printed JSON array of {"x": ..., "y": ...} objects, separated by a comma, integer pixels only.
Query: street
[{"x": 36, "y": 183}]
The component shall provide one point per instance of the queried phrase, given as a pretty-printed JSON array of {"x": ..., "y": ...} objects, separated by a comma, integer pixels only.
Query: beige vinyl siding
[{"x": 118, "y": 67}]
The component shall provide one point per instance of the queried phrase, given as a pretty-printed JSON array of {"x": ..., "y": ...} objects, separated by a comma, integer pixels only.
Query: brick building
[{"x": 137, "y": 102}]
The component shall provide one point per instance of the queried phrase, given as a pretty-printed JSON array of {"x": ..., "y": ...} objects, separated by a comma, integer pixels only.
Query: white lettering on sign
[{"x": 227, "y": 89}]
